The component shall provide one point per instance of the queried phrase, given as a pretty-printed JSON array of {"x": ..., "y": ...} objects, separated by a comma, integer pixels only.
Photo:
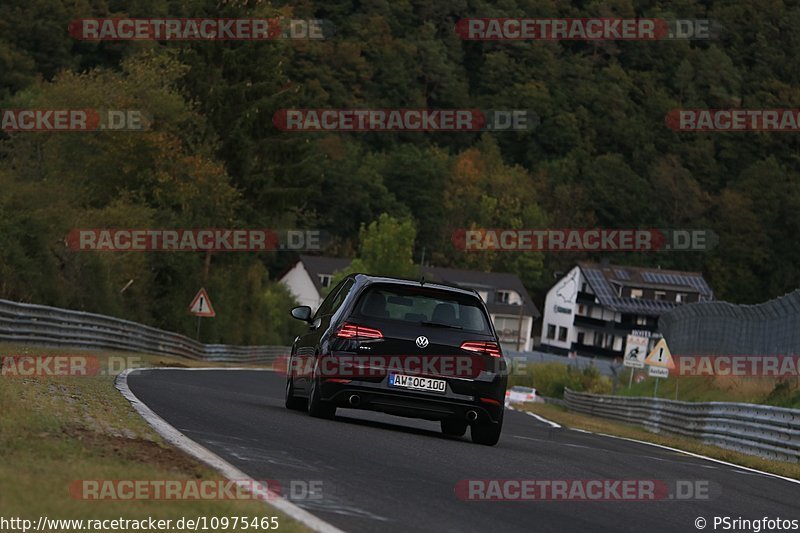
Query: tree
[{"x": 386, "y": 248}]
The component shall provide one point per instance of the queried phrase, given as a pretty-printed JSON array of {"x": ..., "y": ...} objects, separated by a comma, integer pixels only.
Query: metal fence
[
  {"x": 763, "y": 430},
  {"x": 717, "y": 328},
  {"x": 50, "y": 326}
]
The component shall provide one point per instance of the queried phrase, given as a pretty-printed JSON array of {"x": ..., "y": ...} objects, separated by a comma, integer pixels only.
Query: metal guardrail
[
  {"x": 763, "y": 430},
  {"x": 553, "y": 401},
  {"x": 51, "y": 326}
]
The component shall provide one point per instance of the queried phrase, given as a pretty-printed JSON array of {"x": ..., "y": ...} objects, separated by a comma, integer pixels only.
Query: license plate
[{"x": 417, "y": 383}]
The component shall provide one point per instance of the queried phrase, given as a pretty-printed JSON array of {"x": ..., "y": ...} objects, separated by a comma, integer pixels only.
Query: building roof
[
  {"x": 316, "y": 265},
  {"x": 472, "y": 279},
  {"x": 602, "y": 279},
  {"x": 477, "y": 280}
]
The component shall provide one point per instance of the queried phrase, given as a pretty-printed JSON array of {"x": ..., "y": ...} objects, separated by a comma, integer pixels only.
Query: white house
[
  {"x": 309, "y": 277},
  {"x": 594, "y": 307},
  {"x": 510, "y": 306}
]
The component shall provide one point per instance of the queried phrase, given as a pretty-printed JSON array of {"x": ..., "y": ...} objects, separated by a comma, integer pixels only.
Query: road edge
[
  {"x": 662, "y": 446},
  {"x": 184, "y": 443},
  {"x": 540, "y": 418}
]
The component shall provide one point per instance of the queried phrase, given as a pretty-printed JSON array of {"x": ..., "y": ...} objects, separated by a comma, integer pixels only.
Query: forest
[{"x": 601, "y": 154}]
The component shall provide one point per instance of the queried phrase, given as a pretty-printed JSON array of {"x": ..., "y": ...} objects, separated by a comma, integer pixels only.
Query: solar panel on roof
[
  {"x": 600, "y": 285},
  {"x": 622, "y": 274},
  {"x": 700, "y": 284},
  {"x": 639, "y": 305},
  {"x": 675, "y": 279}
]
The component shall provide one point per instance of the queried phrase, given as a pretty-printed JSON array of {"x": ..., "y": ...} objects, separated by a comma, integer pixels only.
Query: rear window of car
[{"x": 420, "y": 304}]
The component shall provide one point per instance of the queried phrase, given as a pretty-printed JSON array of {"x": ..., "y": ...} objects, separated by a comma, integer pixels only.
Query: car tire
[
  {"x": 291, "y": 401},
  {"x": 456, "y": 428},
  {"x": 487, "y": 433},
  {"x": 317, "y": 407}
]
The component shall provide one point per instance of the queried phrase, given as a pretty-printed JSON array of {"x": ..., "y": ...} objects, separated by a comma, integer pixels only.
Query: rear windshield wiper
[{"x": 439, "y": 324}]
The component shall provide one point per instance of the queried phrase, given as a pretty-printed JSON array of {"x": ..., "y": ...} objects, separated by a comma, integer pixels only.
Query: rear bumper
[{"x": 479, "y": 407}]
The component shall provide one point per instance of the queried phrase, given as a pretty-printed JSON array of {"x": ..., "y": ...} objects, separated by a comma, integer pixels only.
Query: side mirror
[{"x": 302, "y": 312}]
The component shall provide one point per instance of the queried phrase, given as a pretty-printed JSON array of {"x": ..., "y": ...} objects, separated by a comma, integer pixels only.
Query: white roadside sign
[
  {"x": 658, "y": 371},
  {"x": 635, "y": 351}
]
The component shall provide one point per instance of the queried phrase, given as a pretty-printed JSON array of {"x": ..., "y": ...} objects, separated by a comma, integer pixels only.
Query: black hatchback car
[{"x": 407, "y": 348}]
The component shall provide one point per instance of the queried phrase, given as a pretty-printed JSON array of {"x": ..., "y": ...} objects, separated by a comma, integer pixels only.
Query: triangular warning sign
[
  {"x": 660, "y": 356},
  {"x": 201, "y": 305}
]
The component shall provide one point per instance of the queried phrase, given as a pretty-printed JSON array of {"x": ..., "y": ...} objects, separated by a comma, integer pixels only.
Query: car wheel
[
  {"x": 456, "y": 428},
  {"x": 316, "y": 406},
  {"x": 292, "y": 402},
  {"x": 487, "y": 433}
]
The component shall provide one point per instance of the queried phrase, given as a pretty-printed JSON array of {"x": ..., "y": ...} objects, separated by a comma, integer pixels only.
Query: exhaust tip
[
  {"x": 354, "y": 399},
  {"x": 472, "y": 416}
]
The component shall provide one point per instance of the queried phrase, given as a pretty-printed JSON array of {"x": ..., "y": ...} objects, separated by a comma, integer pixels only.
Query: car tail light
[
  {"x": 489, "y": 348},
  {"x": 530, "y": 396},
  {"x": 490, "y": 400},
  {"x": 353, "y": 331}
]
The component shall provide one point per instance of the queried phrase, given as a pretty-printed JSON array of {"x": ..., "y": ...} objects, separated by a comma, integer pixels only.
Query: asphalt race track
[{"x": 383, "y": 473}]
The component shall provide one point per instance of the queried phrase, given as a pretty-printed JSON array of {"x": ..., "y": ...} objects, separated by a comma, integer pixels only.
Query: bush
[
  {"x": 550, "y": 379},
  {"x": 784, "y": 394}
]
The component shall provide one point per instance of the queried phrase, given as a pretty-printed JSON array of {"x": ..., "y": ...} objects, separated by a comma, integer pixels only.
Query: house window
[
  {"x": 562, "y": 334},
  {"x": 641, "y": 320},
  {"x": 507, "y": 328},
  {"x": 636, "y": 293},
  {"x": 610, "y": 342},
  {"x": 502, "y": 297},
  {"x": 325, "y": 280},
  {"x": 581, "y": 309},
  {"x": 580, "y": 337},
  {"x": 551, "y": 331},
  {"x": 680, "y": 297},
  {"x": 660, "y": 295},
  {"x": 598, "y": 339}
]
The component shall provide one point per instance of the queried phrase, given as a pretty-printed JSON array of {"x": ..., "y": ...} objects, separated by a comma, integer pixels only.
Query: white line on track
[
  {"x": 179, "y": 440},
  {"x": 677, "y": 450},
  {"x": 537, "y": 417}
]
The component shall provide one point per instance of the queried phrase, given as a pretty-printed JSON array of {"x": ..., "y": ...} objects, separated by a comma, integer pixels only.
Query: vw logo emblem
[{"x": 422, "y": 341}]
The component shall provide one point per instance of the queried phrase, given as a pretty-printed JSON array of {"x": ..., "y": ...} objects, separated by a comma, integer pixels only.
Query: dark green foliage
[{"x": 601, "y": 154}]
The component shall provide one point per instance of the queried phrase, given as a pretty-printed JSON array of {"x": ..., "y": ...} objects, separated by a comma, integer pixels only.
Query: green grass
[
  {"x": 600, "y": 425},
  {"x": 769, "y": 391},
  {"x": 550, "y": 379},
  {"x": 55, "y": 430}
]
